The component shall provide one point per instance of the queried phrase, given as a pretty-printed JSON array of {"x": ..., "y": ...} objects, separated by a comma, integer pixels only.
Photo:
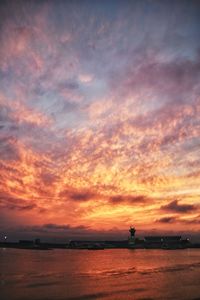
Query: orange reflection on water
[{"x": 107, "y": 274}]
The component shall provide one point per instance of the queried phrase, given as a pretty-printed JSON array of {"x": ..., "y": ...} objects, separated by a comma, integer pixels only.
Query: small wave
[
  {"x": 112, "y": 272},
  {"x": 39, "y": 284},
  {"x": 106, "y": 294},
  {"x": 176, "y": 268}
]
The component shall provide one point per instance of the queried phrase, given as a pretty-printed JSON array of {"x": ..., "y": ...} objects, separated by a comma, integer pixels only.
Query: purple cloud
[{"x": 179, "y": 208}]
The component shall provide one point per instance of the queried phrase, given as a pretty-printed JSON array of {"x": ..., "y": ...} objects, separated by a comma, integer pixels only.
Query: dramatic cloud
[
  {"x": 77, "y": 195},
  {"x": 179, "y": 208},
  {"x": 54, "y": 228},
  {"x": 185, "y": 221},
  {"x": 10, "y": 202},
  {"x": 166, "y": 220},
  {"x": 99, "y": 116},
  {"x": 131, "y": 199}
]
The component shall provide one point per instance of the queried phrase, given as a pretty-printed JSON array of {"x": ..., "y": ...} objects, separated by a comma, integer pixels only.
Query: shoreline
[{"x": 51, "y": 246}]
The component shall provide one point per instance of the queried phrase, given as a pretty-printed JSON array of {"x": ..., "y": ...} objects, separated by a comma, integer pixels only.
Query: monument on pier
[{"x": 131, "y": 240}]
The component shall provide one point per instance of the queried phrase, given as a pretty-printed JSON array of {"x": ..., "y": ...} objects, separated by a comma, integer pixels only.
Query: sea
[{"x": 99, "y": 274}]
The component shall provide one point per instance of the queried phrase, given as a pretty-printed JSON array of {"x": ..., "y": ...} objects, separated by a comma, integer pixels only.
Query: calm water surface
[{"x": 103, "y": 274}]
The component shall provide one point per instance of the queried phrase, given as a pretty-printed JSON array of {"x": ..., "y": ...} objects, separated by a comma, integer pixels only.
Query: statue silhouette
[{"x": 132, "y": 231}]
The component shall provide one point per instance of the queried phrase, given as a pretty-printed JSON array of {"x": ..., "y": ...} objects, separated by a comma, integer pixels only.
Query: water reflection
[{"x": 108, "y": 274}]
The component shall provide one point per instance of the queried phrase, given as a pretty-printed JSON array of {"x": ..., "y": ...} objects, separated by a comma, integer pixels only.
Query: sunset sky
[{"x": 99, "y": 118}]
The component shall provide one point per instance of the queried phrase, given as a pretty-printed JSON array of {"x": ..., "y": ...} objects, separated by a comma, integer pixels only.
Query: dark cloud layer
[
  {"x": 175, "y": 220},
  {"x": 166, "y": 220},
  {"x": 55, "y": 228},
  {"x": 130, "y": 199},
  {"x": 174, "y": 206},
  {"x": 13, "y": 203},
  {"x": 76, "y": 195}
]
